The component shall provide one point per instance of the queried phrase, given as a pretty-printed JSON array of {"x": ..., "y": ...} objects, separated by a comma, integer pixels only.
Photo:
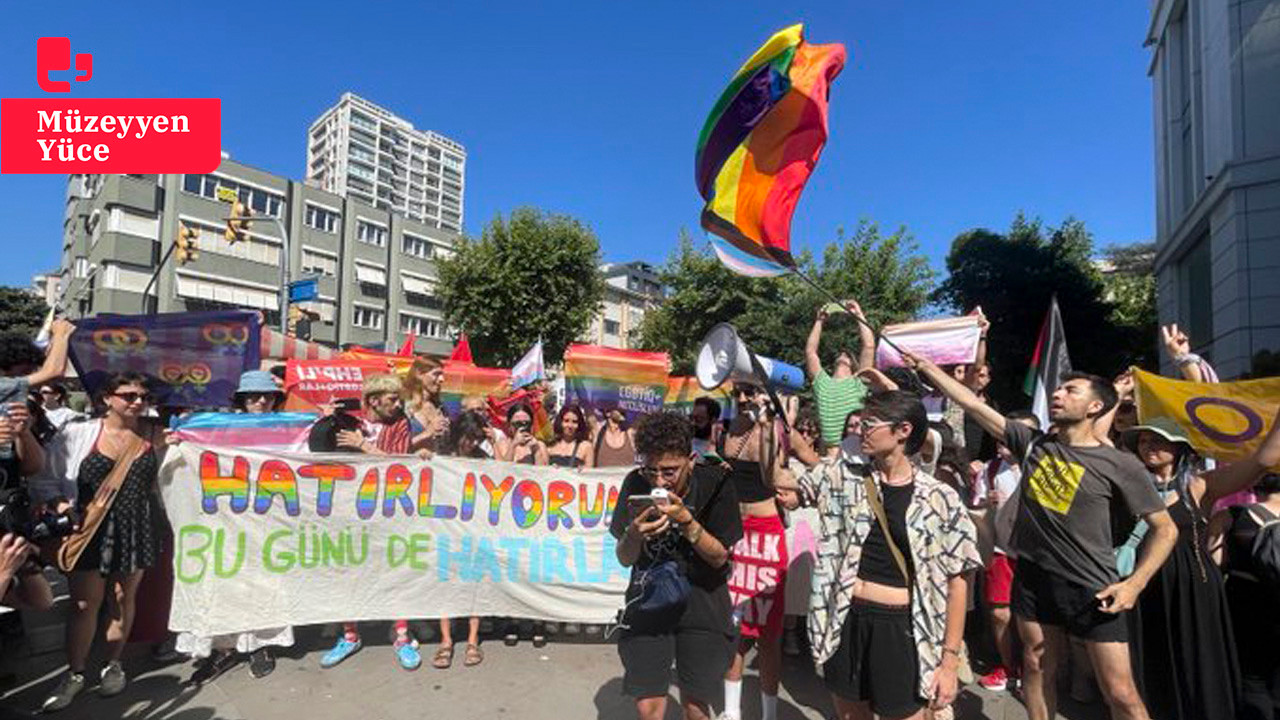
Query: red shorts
[
  {"x": 759, "y": 578},
  {"x": 999, "y": 576}
]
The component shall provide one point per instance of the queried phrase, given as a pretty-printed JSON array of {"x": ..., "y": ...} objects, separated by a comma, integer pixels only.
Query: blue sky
[{"x": 948, "y": 115}]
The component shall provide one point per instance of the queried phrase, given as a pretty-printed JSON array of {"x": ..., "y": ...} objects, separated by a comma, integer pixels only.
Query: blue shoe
[
  {"x": 408, "y": 655},
  {"x": 341, "y": 651}
]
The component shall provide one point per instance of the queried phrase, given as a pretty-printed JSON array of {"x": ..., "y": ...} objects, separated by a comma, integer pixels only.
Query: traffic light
[
  {"x": 238, "y": 224},
  {"x": 186, "y": 242}
]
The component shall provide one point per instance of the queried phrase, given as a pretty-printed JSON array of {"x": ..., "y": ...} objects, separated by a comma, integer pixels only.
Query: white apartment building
[
  {"x": 630, "y": 290},
  {"x": 362, "y": 151}
]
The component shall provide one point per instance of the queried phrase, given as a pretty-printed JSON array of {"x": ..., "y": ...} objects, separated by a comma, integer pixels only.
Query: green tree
[
  {"x": 21, "y": 311},
  {"x": 700, "y": 292},
  {"x": 529, "y": 276},
  {"x": 1128, "y": 276},
  {"x": 774, "y": 315},
  {"x": 1012, "y": 277}
]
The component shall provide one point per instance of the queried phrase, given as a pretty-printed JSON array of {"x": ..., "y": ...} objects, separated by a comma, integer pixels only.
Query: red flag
[
  {"x": 462, "y": 351},
  {"x": 406, "y": 350}
]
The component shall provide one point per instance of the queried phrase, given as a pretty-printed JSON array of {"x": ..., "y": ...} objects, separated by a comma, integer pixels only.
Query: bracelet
[
  {"x": 1186, "y": 359},
  {"x": 697, "y": 535}
]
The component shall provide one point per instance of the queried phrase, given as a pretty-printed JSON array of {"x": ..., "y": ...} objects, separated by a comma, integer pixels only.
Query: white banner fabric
[{"x": 263, "y": 540}]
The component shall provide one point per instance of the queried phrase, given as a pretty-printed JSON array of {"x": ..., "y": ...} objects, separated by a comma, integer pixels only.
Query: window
[
  {"x": 420, "y": 326},
  {"x": 1195, "y": 292},
  {"x": 611, "y": 327},
  {"x": 418, "y": 247},
  {"x": 369, "y": 233},
  {"x": 227, "y": 293},
  {"x": 130, "y": 223},
  {"x": 323, "y": 307},
  {"x": 367, "y": 317},
  {"x": 116, "y": 277},
  {"x": 314, "y": 263},
  {"x": 262, "y": 201},
  {"x": 322, "y": 218},
  {"x": 212, "y": 239}
]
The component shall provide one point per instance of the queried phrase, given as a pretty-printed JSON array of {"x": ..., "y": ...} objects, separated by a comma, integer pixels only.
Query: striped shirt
[{"x": 836, "y": 399}]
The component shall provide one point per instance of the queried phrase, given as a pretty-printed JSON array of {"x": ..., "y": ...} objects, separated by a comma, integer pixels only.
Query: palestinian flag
[{"x": 1048, "y": 365}]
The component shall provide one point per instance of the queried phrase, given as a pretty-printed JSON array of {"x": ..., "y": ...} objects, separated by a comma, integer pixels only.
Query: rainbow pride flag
[
  {"x": 683, "y": 390},
  {"x": 602, "y": 379},
  {"x": 758, "y": 147},
  {"x": 286, "y": 431},
  {"x": 463, "y": 379}
]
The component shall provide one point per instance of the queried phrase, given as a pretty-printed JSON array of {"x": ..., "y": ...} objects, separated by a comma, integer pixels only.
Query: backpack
[{"x": 1265, "y": 553}]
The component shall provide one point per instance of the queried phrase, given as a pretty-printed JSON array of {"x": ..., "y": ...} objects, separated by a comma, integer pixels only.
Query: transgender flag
[
  {"x": 286, "y": 431},
  {"x": 530, "y": 368}
]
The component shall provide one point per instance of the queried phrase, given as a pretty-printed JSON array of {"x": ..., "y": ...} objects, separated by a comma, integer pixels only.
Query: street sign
[{"x": 304, "y": 290}]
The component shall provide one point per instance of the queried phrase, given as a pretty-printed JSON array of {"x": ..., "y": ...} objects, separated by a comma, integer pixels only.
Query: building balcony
[{"x": 132, "y": 192}]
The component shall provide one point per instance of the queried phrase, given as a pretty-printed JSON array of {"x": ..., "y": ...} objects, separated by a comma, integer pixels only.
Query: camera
[{"x": 17, "y": 518}]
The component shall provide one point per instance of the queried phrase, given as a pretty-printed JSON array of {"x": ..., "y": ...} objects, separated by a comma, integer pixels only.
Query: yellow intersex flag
[{"x": 1224, "y": 421}]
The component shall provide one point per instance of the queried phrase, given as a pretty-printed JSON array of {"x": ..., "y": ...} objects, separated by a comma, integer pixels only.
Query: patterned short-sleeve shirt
[{"x": 943, "y": 544}]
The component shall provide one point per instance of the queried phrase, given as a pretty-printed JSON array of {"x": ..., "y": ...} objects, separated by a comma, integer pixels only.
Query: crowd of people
[{"x": 950, "y": 535}]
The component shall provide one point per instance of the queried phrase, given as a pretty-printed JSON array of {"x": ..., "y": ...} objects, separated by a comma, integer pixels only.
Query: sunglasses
[
  {"x": 133, "y": 397},
  {"x": 258, "y": 396}
]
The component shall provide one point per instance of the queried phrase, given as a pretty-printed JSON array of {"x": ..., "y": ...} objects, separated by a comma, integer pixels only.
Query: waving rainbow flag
[
  {"x": 758, "y": 147},
  {"x": 683, "y": 390},
  {"x": 463, "y": 379},
  {"x": 600, "y": 378}
]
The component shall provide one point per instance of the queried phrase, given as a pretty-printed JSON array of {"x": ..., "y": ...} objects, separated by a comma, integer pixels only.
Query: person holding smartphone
[
  {"x": 522, "y": 447},
  {"x": 695, "y": 524}
]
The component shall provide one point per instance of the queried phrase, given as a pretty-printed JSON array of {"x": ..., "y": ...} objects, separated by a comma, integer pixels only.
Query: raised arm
[
  {"x": 1242, "y": 474},
  {"x": 867, "y": 353},
  {"x": 990, "y": 420},
  {"x": 1178, "y": 347},
  {"x": 55, "y": 361},
  {"x": 980, "y": 358},
  {"x": 813, "y": 363}
]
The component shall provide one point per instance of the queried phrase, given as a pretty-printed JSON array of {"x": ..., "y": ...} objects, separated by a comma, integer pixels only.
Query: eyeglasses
[
  {"x": 133, "y": 397},
  {"x": 666, "y": 472},
  {"x": 258, "y": 396},
  {"x": 866, "y": 427}
]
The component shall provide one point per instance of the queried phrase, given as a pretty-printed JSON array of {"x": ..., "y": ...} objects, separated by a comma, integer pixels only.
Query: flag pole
[{"x": 830, "y": 296}]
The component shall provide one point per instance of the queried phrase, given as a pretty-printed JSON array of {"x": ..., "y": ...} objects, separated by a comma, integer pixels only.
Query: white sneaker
[
  {"x": 113, "y": 680},
  {"x": 70, "y": 686}
]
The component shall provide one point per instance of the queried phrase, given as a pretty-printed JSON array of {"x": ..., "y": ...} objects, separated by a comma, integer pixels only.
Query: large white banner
[{"x": 269, "y": 539}]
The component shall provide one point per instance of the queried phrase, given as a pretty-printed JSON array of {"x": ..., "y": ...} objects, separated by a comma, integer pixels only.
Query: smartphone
[
  {"x": 347, "y": 404},
  {"x": 637, "y": 505}
]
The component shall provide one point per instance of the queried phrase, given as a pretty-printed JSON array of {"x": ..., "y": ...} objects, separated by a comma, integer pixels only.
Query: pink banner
[{"x": 949, "y": 341}]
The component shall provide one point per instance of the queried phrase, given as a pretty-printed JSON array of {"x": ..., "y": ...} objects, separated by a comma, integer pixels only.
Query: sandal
[
  {"x": 443, "y": 658},
  {"x": 474, "y": 655}
]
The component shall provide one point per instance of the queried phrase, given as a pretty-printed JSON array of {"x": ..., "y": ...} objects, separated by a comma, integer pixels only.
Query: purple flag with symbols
[{"x": 193, "y": 360}]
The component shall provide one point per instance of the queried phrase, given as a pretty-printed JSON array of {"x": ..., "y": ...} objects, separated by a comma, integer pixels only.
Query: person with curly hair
[{"x": 691, "y": 527}]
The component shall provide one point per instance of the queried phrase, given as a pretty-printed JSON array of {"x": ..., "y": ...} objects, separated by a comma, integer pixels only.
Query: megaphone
[{"x": 724, "y": 357}]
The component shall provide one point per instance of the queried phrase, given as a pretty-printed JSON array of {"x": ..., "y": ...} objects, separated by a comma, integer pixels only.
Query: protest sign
[
  {"x": 194, "y": 359},
  {"x": 601, "y": 379},
  {"x": 312, "y": 383},
  {"x": 271, "y": 539},
  {"x": 949, "y": 341},
  {"x": 1225, "y": 421}
]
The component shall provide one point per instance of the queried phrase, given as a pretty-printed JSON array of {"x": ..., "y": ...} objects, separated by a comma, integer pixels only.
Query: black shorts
[
  {"x": 1050, "y": 599},
  {"x": 876, "y": 661},
  {"x": 702, "y": 657}
]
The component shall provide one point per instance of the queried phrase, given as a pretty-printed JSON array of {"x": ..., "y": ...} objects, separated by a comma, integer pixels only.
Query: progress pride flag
[{"x": 110, "y": 135}]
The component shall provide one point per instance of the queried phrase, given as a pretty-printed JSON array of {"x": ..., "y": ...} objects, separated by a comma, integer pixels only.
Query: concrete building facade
[
  {"x": 375, "y": 270},
  {"x": 631, "y": 289},
  {"x": 1215, "y": 68},
  {"x": 359, "y": 150}
]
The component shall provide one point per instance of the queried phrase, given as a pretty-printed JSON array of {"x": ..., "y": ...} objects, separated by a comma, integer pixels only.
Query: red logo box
[{"x": 116, "y": 135}]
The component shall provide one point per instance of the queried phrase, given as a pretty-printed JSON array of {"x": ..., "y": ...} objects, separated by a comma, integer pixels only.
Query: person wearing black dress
[
  {"x": 129, "y": 540},
  {"x": 1183, "y": 647}
]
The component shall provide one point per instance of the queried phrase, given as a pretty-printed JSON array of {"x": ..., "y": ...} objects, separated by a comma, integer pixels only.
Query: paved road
[{"x": 569, "y": 679}]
